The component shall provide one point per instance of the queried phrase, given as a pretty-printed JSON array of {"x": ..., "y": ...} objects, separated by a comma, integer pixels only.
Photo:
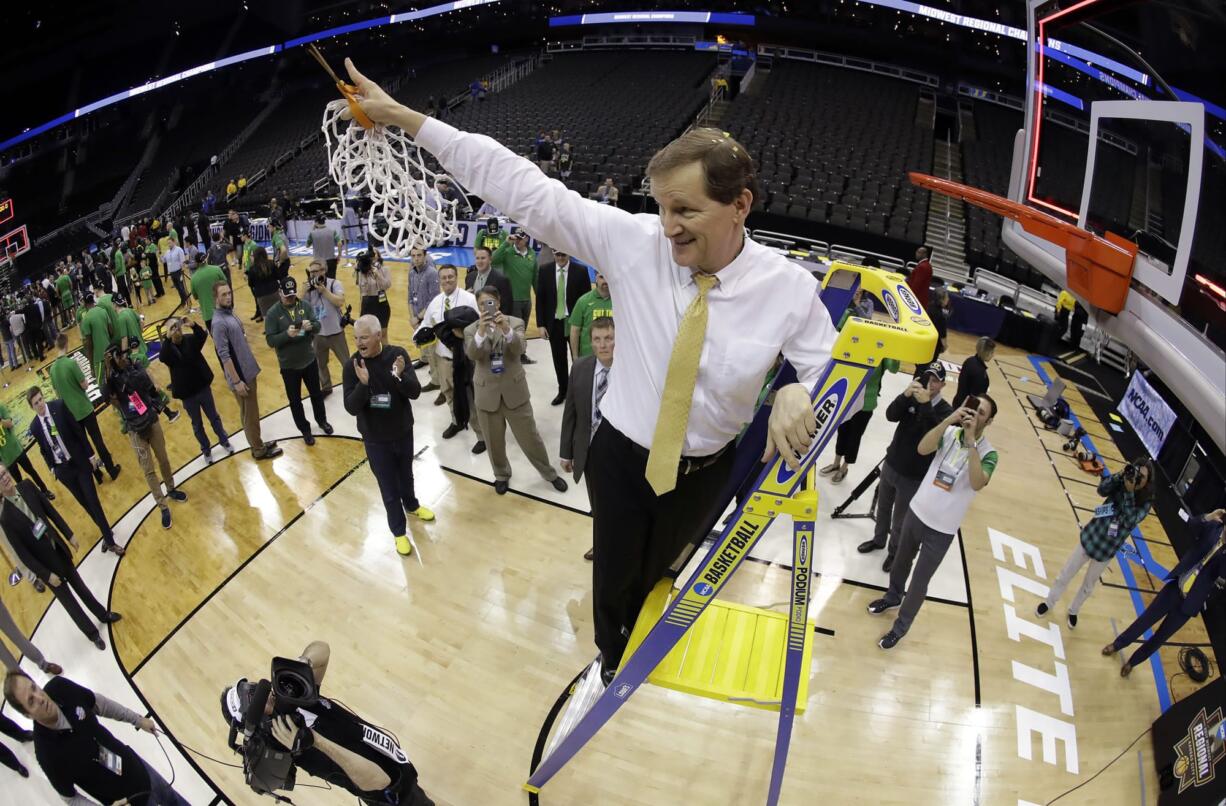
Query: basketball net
[{"x": 386, "y": 166}]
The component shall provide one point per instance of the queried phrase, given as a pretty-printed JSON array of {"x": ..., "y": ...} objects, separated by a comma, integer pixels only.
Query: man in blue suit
[
  {"x": 66, "y": 451},
  {"x": 1200, "y": 574}
]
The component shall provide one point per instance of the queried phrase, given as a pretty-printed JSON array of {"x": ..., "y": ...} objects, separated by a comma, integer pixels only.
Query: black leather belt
[{"x": 687, "y": 465}]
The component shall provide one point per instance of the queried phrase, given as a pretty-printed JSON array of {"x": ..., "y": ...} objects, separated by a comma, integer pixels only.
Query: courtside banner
[{"x": 1147, "y": 413}]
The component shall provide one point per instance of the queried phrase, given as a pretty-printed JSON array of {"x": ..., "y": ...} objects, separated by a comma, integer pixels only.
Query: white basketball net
[{"x": 386, "y": 166}]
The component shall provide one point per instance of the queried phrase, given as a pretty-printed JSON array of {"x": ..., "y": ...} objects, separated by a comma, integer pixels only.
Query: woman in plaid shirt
[{"x": 1127, "y": 503}]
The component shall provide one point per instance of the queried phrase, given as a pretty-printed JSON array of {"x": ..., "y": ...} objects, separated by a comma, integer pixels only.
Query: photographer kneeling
[
  {"x": 323, "y": 737},
  {"x": 1128, "y": 495}
]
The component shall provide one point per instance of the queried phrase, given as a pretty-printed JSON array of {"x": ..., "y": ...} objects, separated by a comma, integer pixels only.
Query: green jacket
[
  {"x": 521, "y": 271},
  {"x": 293, "y": 352}
]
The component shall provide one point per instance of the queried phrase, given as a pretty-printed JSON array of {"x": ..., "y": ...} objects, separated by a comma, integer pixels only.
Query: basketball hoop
[{"x": 386, "y": 166}]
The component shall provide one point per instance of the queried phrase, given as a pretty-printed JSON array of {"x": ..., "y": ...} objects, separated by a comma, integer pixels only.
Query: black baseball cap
[
  {"x": 936, "y": 369},
  {"x": 289, "y": 287},
  {"x": 517, "y": 231},
  {"x": 492, "y": 223}
]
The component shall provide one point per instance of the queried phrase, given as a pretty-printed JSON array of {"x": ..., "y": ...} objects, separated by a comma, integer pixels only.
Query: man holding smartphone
[
  {"x": 289, "y": 328},
  {"x": 495, "y": 343},
  {"x": 963, "y": 462}
]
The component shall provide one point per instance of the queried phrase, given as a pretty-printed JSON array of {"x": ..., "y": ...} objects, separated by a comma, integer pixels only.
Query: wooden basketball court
[{"x": 462, "y": 649}]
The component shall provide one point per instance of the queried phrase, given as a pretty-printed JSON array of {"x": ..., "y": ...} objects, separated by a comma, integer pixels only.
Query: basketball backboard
[{"x": 1127, "y": 131}]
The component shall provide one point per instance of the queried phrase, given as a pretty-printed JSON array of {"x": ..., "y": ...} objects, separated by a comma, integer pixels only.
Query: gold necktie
[{"x": 665, "y": 456}]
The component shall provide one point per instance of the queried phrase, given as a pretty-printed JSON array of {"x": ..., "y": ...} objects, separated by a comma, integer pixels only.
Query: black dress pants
[
  {"x": 636, "y": 535},
  {"x": 81, "y": 485},
  {"x": 559, "y": 346},
  {"x": 70, "y": 583},
  {"x": 90, "y": 424},
  {"x": 14, "y": 731},
  {"x": 23, "y": 462},
  {"x": 294, "y": 379},
  {"x": 847, "y": 443},
  {"x": 391, "y": 462}
]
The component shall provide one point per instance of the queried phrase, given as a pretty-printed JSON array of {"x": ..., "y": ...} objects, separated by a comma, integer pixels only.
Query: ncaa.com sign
[{"x": 1147, "y": 413}]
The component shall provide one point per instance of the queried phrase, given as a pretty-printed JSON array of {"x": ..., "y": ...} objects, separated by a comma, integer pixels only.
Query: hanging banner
[{"x": 1147, "y": 413}]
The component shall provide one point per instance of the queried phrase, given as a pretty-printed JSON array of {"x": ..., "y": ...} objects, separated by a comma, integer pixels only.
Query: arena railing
[
  {"x": 849, "y": 62},
  {"x": 636, "y": 42}
]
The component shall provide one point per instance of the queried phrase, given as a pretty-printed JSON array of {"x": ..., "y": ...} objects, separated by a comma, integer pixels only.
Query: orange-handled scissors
[{"x": 346, "y": 89}]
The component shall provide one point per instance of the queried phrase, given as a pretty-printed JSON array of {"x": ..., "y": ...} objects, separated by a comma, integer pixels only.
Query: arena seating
[
  {"x": 615, "y": 108},
  {"x": 834, "y": 146},
  {"x": 299, "y": 116}
]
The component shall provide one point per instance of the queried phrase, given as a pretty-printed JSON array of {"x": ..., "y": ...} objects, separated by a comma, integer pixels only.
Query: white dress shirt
[
  {"x": 764, "y": 304},
  {"x": 174, "y": 259},
  {"x": 58, "y": 449},
  {"x": 437, "y": 309}
]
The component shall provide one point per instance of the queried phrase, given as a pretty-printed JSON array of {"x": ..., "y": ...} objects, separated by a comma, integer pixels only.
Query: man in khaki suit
[{"x": 495, "y": 343}]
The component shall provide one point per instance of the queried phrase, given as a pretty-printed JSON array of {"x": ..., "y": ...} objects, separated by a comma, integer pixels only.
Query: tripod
[{"x": 859, "y": 491}]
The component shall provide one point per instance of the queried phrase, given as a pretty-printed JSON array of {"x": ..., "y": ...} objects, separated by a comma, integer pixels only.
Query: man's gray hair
[{"x": 369, "y": 321}]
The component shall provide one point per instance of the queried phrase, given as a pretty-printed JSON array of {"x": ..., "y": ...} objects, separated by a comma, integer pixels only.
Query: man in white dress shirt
[
  {"x": 703, "y": 312},
  {"x": 450, "y": 296}
]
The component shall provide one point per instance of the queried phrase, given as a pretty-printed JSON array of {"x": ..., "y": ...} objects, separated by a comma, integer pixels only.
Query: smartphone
[
  {"x": 489, "y": 305},
  {"x": 972, "y": 402}
]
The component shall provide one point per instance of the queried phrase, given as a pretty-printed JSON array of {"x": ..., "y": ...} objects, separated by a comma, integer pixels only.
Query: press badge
[
  {"x": 383, "y": 400},
  {"x": 1104, "y": 510},
  {"x": 136, "y": 404},
  {"x": 952, "y": 464},
  {"x": 496, "y": 365},
  {"x": 40, "y": 528},
  {"x": 110, "y": 760},
  {"x": 1113, "y": 530},
  {"x": 383, "y": 296}
]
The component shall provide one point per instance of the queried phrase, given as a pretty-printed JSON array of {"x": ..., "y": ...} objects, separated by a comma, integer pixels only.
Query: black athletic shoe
[
  {"x": 879, "y": 606},
  {"x": 327, "y": 428},
  {"x": 98, "y": 642},
  {"x": 1041, "y": 610},
  {"x": 479, "y": 448},
  {"x": 1072, "y": 621},
  {"x": 177, "y": 495},
  {"x": 867, "y": 546},
  {"x": 889, "y": 640},
  {"x": 114, "y": 471},
  {"x": 451, "y": 430},
  {"x": 501, "y": 487},
  {"x": 309, "y": 439},
  {"x": 111, "y": 617}
]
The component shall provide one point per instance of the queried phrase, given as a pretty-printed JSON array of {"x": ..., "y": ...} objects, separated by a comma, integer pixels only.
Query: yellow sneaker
[
  {"x": 423, "y": 513},
  {"x": 403, "y": 546}
]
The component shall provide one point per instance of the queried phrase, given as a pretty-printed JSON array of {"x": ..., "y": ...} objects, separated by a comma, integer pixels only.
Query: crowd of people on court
[{"x": 649, "y": 479}]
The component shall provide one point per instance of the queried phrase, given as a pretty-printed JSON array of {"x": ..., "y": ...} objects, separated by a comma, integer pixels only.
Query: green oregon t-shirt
[
  {"x": 96, "y": 324},
  {"x": 203, "y": 280},
  {"x": 588, "y": 308},
  {"x": 129, "y": 325},
  {"x": 490, "y": 240},
  {"x": 10, "y": 445},
  {"x": 63, "y": 284},
  {"x": 249, "y": 254},
  {"x": 278, "y": 240},
  {"x": 66, "y": 379}
]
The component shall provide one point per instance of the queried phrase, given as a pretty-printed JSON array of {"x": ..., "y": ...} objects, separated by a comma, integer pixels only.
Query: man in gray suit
[
  {"x": 589, "y": 380},
  {"x": 495, "y": 343}
]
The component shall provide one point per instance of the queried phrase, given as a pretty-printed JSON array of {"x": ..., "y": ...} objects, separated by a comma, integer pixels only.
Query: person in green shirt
[
  {"x": 588, "y": 308},
  {"x": 63, "y": 286},
  {"x": 151, "y": 263},
  {"x": 491, "y": 235},
  {"x": 280, "y": 247},
  {"x": 146, "y": 282},
  {"x": 107, "y": 303},
  {"x": 249, "y": 247},
  {"x": 517, "y": 261},
  {"x": 13, "y": 453},
  {"x": 96, "y": 333},
  {"x": 70, "y": 386},
  {"x": 289, "y": 328},
  {"x": 128, "y": 333},
  {"x": 202, "y": 282},
  {"x": 847, "y": 441}
]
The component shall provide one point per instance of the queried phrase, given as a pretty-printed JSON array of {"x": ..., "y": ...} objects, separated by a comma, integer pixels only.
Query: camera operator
[
  {"x": 1128, "y": 495},
  {"x": 133, "y": 394},
  {"x": 324, "y": 738},
  {"x": 916, "y": 410},
  {"x": 326, "y": 296},
  {"x": 78, "y": 754},
  {"x": 373, "y": 281}
]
